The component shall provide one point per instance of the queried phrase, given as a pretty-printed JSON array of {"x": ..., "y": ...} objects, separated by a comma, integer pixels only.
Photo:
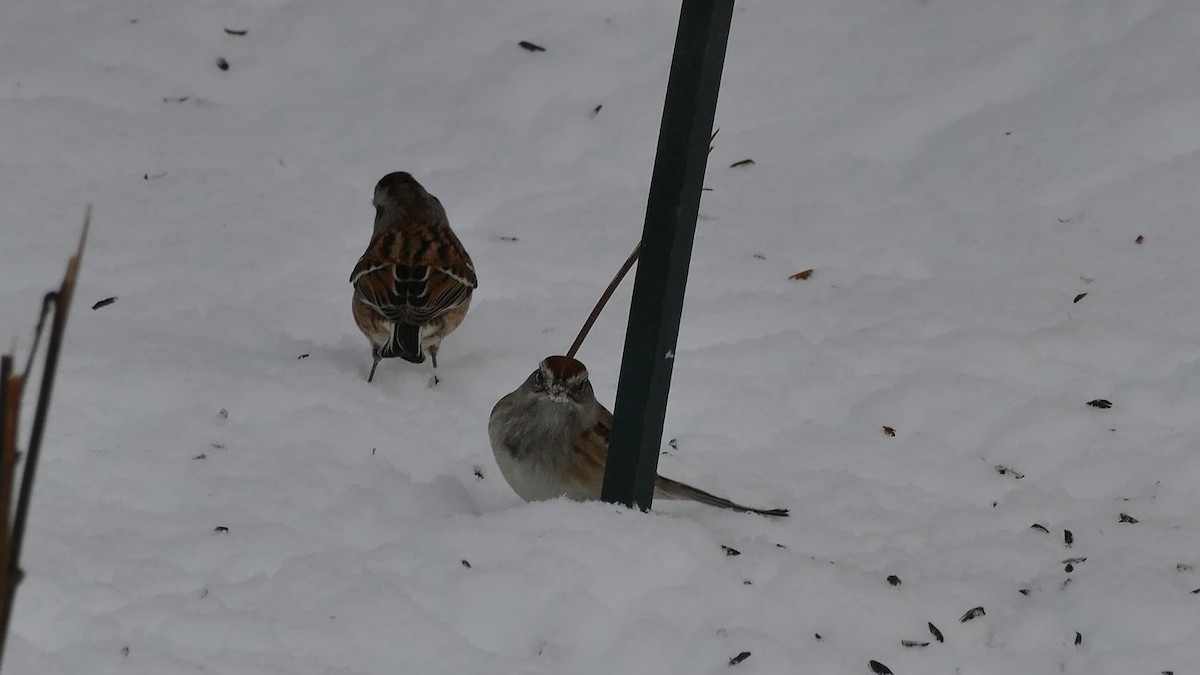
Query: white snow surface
[{"x": 955, "y": 172}]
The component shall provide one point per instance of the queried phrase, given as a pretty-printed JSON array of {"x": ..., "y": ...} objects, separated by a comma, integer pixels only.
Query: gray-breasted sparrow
[
  {"x": 413, "y": 285},
  {"x": 550, "y": 438}
]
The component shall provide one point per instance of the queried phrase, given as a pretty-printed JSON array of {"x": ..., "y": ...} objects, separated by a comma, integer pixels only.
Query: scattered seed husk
[
  {"x": 234, "y": 31},
  {"x": 888, "y": 431},
  {"x": 1079, "y": 297},
  {"x": 972, "y": 613},
  {"x": 1023, "y": 591},
  {"x": 175, "y": 99},
  {"x": 1005, "y": 471},
  {"x": 222, "y": 63},
  {"x": 466, "y": 564},
  {"x": 1139, "y": 239},
  {"x": 1075, "y": 561},
  {"x": 104, "y": 303},
  {"x": 220, "y": 529},
  {"x": 739, "y": 658},
  {"x": 801, "y": 276},
  {"x": 530, "y": 47},
  {"x": 937, "y": 634},
  {"x": 1183, "y": 567},
  {"x": 1069, "y": 568},
  {"x": 893, "y": 580},
  {"x": 879, "y": 669},
  {"x": 742, "y": 162},
  {"x": 1039, "y": 526},
  {"x": 302, "y": 357},
  {"x": 1068, "y": 538},
  {"x": 1100, "y": 403},
  {"x": 1126, "y": 518},
  {"x": 1078, "y": 638},
  {"x": 729, "y": 551}
]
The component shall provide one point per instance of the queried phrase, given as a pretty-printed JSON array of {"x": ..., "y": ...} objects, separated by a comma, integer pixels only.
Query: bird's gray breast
[{"x": 532, "y": 445}]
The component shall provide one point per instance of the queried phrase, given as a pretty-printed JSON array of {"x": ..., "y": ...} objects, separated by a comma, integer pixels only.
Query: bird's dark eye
[{"x": 539, "y": 378}]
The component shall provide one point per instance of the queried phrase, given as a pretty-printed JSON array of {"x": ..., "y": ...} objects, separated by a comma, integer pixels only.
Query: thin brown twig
[
  {"x": 47, "y": 304},
  {"x": 612, "y": 287},
  {"x": 10, "y": 403},
  {"x": 62, "y": 306},
  {"x": 10, "y": 397},
  {"x": 12, "y": 385}
]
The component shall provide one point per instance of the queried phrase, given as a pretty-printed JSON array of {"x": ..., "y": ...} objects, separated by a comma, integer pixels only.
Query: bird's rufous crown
[{"x": 564, "y": 368}]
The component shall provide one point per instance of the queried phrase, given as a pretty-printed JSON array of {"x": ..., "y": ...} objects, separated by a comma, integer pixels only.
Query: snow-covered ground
[{"x": 955, "y": 172}]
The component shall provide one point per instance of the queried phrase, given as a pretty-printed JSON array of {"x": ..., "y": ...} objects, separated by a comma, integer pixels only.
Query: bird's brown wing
[
  {"x": 413, "y": 277},
  {"x": 586, "y": 468}
]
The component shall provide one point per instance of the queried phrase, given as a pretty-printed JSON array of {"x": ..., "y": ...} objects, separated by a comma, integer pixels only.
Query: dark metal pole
[{"x": 671, "y": 211}]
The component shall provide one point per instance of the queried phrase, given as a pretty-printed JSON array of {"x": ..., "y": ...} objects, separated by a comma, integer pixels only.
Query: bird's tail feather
[
  {"x": 405, "y": 343},
  {"x": 670, "y": 489}
]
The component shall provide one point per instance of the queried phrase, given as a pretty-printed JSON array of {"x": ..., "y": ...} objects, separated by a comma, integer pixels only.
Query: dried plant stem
[
  {"x": 47, "y": 305},
  {"x": 612, "y": 287},
  {"x": 11, "y": 389},
  {"x": 10, "y": 399}
]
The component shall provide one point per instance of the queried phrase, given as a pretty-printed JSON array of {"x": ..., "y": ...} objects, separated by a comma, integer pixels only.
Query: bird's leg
[
  {"x": 374, "y": 365},
  {"x": 433, "y": 378}
]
